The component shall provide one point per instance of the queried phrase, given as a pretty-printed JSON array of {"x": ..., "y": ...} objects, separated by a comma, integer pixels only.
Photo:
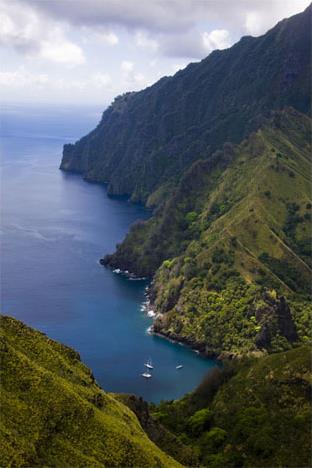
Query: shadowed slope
[{"x": 148, "y": 138}]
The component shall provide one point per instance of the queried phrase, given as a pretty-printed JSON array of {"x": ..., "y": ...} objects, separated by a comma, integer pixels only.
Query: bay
[{"x": 54, "y": 229}]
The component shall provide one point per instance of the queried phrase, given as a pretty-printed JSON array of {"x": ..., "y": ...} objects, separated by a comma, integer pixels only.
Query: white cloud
[
  {"x": 19, "y": 28},
  {"x": 102, "y": 80},
  {"x": 22, "y": 78},
  {"x": 195, "y": 45},
  {"x": 142, "y": 40},
  {"x": 159, "y": 15},
  {"x": 169, "y": 28},
  {"x": 261, "y": 18},
  {"x": 157, "y": 38},
  {"x": 131, "y": 77},
  {"x": 217, "y": 39},
  {"x": 57, "y": 49},
  {"x": 255, "y": 23},
  {"x": 163, "y": 16},
  {"x": 127, "y": 66},
  {"x": 188, "y": 45},
  {"x": 105, "y": 37},
  {"x": 26, "y": 31},
  {"x": 139, "y": 78},
  {"x": 110, "y": 38}
]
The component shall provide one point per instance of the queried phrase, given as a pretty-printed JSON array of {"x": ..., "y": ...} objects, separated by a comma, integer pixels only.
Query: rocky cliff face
[
  {"x": 148, "y": 138},
  {"x": 275, "y": 319}
]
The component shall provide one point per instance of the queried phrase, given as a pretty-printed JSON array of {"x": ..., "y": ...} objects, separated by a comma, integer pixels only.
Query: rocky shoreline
[
  {"x": 126, "y": 273},
  {"x": 198, "y": 347},
  {"x": 156, "y": 329}
]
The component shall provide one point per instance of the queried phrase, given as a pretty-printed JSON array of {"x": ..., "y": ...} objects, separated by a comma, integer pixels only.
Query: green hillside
[
  {"x": 54, "y": 414},
  {"x": 254, "y": 414},
  {"x": 222, "y": 152},
  {"x": 251, "y": 244},
  {"x": 233, "y": 239},
  {"x": 146, "y": 140}
]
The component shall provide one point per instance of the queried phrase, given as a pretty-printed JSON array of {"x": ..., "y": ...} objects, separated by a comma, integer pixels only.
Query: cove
[{"x": 54, "y": 229}]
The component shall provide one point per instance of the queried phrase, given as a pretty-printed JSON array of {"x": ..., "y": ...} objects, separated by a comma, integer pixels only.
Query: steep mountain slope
[
  {"x": 145, "y": 140},
  {"x": 257, "y": 414},
  {"x": 236, "y": 224},
  {"x": 250, "y": 244},
  {"x": 54, "y": 414},
  {"x": 254, "y": 412},
  {"x": 230, "y": 235}
]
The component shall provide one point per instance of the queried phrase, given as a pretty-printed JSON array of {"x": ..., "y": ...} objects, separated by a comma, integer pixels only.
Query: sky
[{"x": 89, "y": 51}]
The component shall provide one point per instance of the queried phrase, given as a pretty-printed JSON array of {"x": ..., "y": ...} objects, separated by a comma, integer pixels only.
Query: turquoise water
[{"x": 54, "y": 229}]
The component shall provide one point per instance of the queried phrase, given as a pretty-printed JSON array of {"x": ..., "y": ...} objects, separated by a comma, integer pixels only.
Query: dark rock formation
[{"x": 275, "y": 319}]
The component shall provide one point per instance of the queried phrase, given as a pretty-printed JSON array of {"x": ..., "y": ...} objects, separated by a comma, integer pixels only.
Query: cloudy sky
[{"x": 88, "y": 51}]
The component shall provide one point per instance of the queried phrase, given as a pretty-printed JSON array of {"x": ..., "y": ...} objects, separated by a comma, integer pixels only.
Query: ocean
[{"x": 54, "y": 229}]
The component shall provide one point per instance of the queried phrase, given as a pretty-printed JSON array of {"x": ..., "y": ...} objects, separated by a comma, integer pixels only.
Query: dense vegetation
[
  {"x": 229, "y": 242},
  {"x": 251, "y": 412},
  {"x": 146, "y": 140},
  {"x": 255, "y": 413},
  {"x": 54, "y": 414},
  {"x": 222, "y": 152}
]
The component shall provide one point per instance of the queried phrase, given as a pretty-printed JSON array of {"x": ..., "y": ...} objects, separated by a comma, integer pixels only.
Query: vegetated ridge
[
  {"x": 253, "y": 413},
  {"x": 222, "y": 150},
  {"x": 232, "y": 243},
  {"x": 54, "y": 414},
  {"x": 146, "y": 140}
]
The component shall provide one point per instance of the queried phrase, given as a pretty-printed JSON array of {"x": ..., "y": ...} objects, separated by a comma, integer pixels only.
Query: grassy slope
[
  {"x": 54, "y": 414},
  {"x": 258, "y": 417},
  {"x": 251, "y": 231}
]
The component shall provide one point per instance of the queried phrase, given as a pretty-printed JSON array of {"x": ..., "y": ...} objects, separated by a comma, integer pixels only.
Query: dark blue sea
[{"x": 54, "y": 229}]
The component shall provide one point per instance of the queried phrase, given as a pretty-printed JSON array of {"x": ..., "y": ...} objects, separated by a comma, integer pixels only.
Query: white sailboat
[
  {"x": 149, "y": 364},
  {"x": 147, "y": 374},
  {"x": 179, "y": 366}
]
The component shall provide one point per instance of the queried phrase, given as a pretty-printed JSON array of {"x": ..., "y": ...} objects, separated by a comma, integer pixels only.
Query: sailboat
[
  {"x": 149, "y": 364},
  {"x": 147, "y": 374},
  {"x": 179, "y": 366}
]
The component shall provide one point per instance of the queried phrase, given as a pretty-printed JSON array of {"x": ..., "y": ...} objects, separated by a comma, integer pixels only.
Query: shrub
[
  {"x": 212, "y": 440},
  {"x": 191, "y": 216},
  {"x": 249, "y": 420},
  {"x": 168, "y": 263},
  {"x": 199, "y": 421}
]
